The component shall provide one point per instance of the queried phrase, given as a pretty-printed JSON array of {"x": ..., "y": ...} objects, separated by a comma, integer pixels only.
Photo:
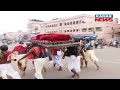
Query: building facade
[
  {"x": 82, "y": 24},
  {"x": 14, "y": 35}
]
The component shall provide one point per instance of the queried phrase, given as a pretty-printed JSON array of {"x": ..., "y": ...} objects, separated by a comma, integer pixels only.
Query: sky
[{"x": 12, "y": 21}]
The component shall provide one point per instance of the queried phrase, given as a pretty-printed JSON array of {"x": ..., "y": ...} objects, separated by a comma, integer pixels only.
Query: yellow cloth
[
  {"x": 22, "y": 63},
  {"x": 90, "y": 56}
]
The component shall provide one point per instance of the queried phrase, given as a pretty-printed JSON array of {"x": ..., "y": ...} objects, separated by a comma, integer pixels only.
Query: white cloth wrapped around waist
[
  {"x": 57, "y": 60},
  {"x": 7, "y": 69},
  {"x": 90, "y": 56},
  {"x": 39, "y": 64},
  {"x": 74, "y": 63}
]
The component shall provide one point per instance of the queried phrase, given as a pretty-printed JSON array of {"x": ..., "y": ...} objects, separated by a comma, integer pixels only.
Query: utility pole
[
  {"x": 113, "y": 32},
  {"x": 94, "y": 33}
]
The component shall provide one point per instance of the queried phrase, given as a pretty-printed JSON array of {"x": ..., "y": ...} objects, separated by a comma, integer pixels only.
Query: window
[
  {"x": 84, "y": 30},
  {"x": 76, "y": 22},
  {"x": 54, "y": 25},
  {"x": 83, "y": 22},
  {"x": 70, "y": 23},
  {"x": 90, "y": 29},
  {"x": 73, "y": 30},
  {"x": 70, "y": 30},
  {"x": 73, "y": 22},
  {"x": 36, "y": 28},
  {"x": 67, "y": 30},
  {"x": 50, "y": 25},
  {"x": 67, "y": 23},
  {"x": 76, "y": 30},
  {"x": 98, "y": 28},
  {"x": 60, "y": 24}
]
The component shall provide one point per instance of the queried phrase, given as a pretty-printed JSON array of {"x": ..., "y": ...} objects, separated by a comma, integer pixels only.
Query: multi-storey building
[{"x": 82, "y": 24}]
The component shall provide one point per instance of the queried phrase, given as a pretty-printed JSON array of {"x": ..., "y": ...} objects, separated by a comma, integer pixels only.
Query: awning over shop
[{"x": 85, "y": 36}]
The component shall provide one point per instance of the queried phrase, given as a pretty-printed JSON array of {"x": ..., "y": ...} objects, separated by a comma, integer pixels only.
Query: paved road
[{"x": 109, "y": 61}]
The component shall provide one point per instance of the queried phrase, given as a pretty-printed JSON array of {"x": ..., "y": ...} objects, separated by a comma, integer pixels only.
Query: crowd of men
[{"x": 38, "y": 55}]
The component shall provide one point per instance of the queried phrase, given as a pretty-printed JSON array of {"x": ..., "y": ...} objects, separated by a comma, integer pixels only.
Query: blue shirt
[{"x": 88, "y": 45}]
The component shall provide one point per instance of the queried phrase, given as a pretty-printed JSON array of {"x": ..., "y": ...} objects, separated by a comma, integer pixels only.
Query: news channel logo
[{"x": 103, "y": 17}]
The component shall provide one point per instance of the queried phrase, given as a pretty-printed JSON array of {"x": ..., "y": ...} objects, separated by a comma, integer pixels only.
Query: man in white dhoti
[
  {"x": 74, "y": 57},
  {"x": 6, "y": 70},
  {"x": 56, "y": 57},
  {"x": 90, "y": 54},
  {"x": 39, "y": 65},
  {"x": 39, "y": 61}
]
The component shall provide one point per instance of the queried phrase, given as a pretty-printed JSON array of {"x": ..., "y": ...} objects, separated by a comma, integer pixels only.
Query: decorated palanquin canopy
[{"x": 52, "y": 37}]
